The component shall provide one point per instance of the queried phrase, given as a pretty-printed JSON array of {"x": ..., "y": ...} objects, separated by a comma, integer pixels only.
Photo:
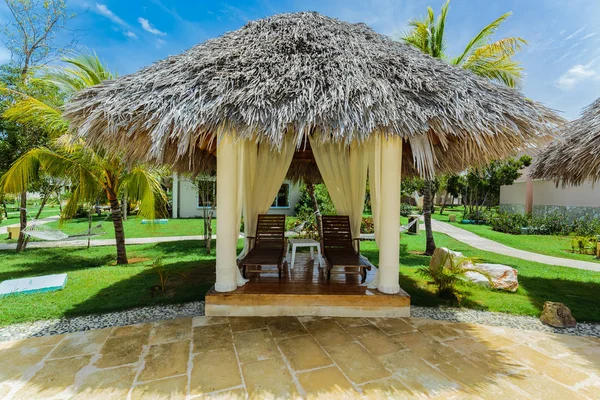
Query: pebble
[{"x": 194, "y": 309}]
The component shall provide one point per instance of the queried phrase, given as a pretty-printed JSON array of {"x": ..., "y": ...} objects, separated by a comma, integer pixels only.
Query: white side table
[{"x": 295, "y": 243}]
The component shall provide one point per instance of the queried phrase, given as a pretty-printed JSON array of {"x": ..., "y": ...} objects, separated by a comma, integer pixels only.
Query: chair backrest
[
  {"x": 336, "y": 232},
  {"x": 270, "y": 231}
]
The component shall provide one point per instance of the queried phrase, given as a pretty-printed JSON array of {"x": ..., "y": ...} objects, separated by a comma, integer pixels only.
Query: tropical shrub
[
  {"x": 367, "y": 225},
  {"x": 406, "y": 209},
  {"x": 450, "y": 271},
  {"x": 509, "y": 223}
]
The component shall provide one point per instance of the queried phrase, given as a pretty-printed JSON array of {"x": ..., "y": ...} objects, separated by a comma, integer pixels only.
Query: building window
[
  {"x": 282, "y": 200},
  {"x": 207, "y": 193}
]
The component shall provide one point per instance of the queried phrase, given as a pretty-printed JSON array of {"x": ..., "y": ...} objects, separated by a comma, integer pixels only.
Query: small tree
[{"x": 207, "y": 196}]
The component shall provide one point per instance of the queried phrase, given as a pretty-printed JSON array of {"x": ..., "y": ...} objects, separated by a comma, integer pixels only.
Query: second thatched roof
[
  {"x": 574, "y": 157},
  {"x": 307, "y": 74}
]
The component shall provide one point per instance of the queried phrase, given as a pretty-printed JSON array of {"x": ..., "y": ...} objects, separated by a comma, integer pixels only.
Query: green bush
[
  {"x": 406, "y": 209},
  {"x": 367, "y": 225},
  {"x": 304, "y": 207},
  {"x": 509, "y": 223}
]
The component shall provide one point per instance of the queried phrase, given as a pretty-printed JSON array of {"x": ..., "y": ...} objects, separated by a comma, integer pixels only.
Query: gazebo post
[
  {"x": 227, "y": 214},
  {"x": 389, "y": 249}
]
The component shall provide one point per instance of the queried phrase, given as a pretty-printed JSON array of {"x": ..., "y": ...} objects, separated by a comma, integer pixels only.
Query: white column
[
  {"x": 175, "y": 190},
  {"x": 227, "y": 193},
  {"x": 389, "y": 232}
]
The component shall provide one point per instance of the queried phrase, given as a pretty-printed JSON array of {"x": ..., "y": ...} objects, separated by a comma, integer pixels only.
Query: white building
[{"x": 187, "y": 202}]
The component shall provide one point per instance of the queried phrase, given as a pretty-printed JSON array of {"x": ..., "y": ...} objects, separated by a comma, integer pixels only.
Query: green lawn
[
  {"x": 551, "y": 245},
  {"x": 94, "y": 285},
  {"x": 13, "y": 215},
  {"x": 133, "y": 227}
]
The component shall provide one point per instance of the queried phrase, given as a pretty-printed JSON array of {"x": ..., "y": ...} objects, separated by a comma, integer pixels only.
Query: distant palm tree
[
  {"x": 91, "y": 172},
  {"x": 491, "y": 60}
]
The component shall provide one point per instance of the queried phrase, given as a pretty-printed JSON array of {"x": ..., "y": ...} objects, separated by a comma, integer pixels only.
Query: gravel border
[
  {"x": 195, "y": 309},
  {"x": 501, "y": 319},
  {"x": 99, "y": 321}
]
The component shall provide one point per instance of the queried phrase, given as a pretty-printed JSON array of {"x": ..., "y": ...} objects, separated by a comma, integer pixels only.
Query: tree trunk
[
  {"x": 59, "y": 202},
  {"x": 444, "y": 202},
  {"x": 310, "y": 187},
  {"x": 115, "y": 210},
  {"x": 427, "y": 206},
  {"x": 22, "y": 221}
]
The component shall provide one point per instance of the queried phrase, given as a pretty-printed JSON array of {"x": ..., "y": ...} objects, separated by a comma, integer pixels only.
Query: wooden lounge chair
[
  {"x": 268, "y": 246},
  {"x": 338, "y": 249}
]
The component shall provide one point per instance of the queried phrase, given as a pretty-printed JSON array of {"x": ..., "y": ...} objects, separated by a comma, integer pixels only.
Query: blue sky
[{"x": 562, "y": 60}]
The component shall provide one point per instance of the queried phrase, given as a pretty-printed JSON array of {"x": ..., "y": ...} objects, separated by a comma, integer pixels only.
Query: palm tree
[
  {"x": 491, "y": 60},
  {"x": 91, "y": 172}
]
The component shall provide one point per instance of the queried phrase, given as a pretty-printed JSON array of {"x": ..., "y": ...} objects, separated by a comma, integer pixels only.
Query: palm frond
[
  {"x": 29, "y": 111},
  {"x": 480, "y": 39},
  {"x": 83, "y": 71},
  {"x": 144, "y": 186}
]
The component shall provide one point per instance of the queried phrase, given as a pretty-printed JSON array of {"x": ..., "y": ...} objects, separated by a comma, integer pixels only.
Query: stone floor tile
[
  {"x": 358, "y": 365},
  {"x": 203, "y": 321},
  {"x": 350, "y": 322},
  {"x": 326, "y": 382},
  {"x": 499, "y": 388},
  {"x": 121, "y": 350},
  {"x": 303, "y": 353},
  {"x": 439, "y": 331},
  {"x": 54, "y": 377},
  {"x": 558, "y": 346},
  {"x": 327, "y": 331},
  {"x": 282, "y": 327},
  {"x": 229, "y": 394},
  {"x": 555, "y": 369},
  {"x": 31, "y": 342},
  {"x": 466, "y": 373},
  {"x": 106, "y": 384},
  {"x": 15, "y": 362},
  {"x": 389, "y": 388},
  {"x": 80, "y": 343},
  {"x": 255, "y": 345},
  {"x": 269, "y": 379},
  {"x": 239, "y": 324},
  {"x": 428, "y": 349},
  {"x": 132, "y": 330},
  {"x": 590, "y": 389},
  {"x": 172, "y": 330},
  {"x": 392, "y": 326},
  {"x": 417, "y": 375},
  {"x": 214, "y": 370},
  {"x": 212, "y": 337},
  {"x": 375, "y": 340},
  {"x": 165, "y": 389},
  {"x": 541, "y": 387},
  {"x": 164, "y": 360}
]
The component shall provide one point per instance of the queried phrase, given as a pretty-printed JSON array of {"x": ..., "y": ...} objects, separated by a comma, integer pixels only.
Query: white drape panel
[
  {"x": 264, "y": 171},
  {"x": 385, "y": 163},
  {"x": 230, "y": 172},
  {"x": 344, "y": 172},
  {"x": 374, "y": 151}
]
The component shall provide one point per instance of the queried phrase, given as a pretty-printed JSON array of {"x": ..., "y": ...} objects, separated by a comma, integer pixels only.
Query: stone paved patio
[{"x": 289, "y": 357}]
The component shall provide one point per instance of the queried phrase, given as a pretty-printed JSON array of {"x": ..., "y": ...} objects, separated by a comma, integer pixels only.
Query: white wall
[
  {"x": 188, "y": 200},
  {"x": 545, "y": 193}
]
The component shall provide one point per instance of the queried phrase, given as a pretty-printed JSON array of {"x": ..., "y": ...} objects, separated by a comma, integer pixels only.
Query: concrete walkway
[
  {"x": 297, "y": 358},
  {"x": 489, "y": 245}
]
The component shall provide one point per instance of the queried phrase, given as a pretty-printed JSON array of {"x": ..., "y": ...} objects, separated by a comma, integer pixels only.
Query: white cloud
[
  {"x": 576, "y": 74},
  {"x": 130, "y": 34},
  {"x": 103, "y": 10},
  {"x": 589, "y": 35},
  {"x": 577, "y": 32},
  {"x": 159, "y": 43},
  {"x": 147, "y": 26}
]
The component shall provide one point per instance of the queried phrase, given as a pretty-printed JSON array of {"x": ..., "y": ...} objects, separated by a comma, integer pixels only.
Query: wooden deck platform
[{"x": 306, "y": 291}]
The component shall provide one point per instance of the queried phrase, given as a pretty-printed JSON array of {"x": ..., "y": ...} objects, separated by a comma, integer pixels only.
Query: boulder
[
  {"x": 443, "y": 257},
  {"x": 502, "y": 277},
  {"x": 557, "y": 315}
]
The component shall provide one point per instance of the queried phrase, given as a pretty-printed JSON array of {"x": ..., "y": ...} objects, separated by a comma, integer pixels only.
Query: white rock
[
  {"x": 443, "y": 257},
  {"x": 502, "y": 277}
]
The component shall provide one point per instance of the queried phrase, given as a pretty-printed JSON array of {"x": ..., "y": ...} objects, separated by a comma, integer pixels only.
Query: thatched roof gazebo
[
  {"x": 573, "y": 158},
  {"x": 258, "y": 97}
]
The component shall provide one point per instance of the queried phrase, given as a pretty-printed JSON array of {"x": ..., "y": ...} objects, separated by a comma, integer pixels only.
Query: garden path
[
  {"x": 3, "y": 229},
  {"x": 489, "y": 245}
]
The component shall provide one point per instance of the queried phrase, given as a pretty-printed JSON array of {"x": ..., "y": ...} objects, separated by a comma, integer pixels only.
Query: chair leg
[
  {"x": 279, "y": 268},
  {"x": 244, "y": 271},
  {"x": 364, "y": 275}
]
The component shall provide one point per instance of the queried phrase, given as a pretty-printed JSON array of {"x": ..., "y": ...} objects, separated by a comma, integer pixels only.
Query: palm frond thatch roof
[
  {"x": 305, "y": 73},
  {"x": 575, "y": 156}
]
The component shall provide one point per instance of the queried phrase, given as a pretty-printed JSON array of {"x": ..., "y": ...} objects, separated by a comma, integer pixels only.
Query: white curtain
[
  {"x": 344, "y": 171},
  {"x": 264, "y": 170},
  {"x": 374, "y": 152}
]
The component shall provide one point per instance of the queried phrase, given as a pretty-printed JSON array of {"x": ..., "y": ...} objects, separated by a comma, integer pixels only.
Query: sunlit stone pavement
[{"x": 287, "y": 357}]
